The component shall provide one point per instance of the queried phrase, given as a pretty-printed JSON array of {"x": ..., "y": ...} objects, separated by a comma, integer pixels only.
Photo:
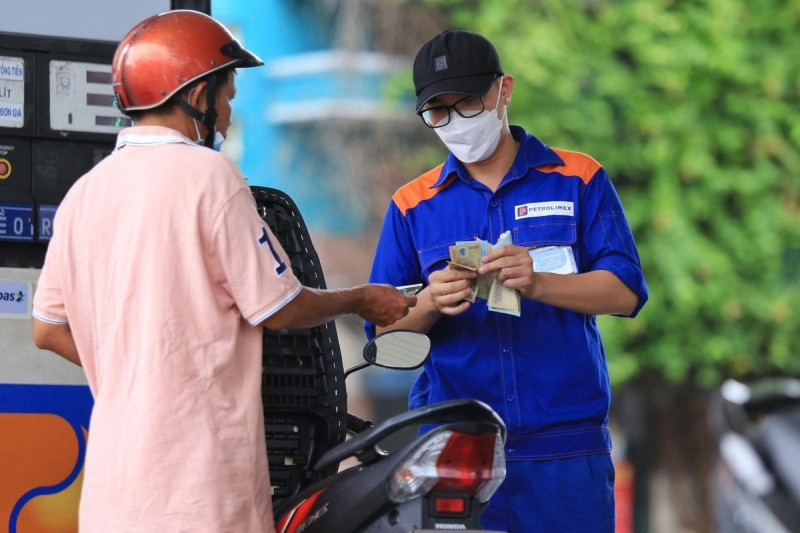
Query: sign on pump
[{"x": 12, "y": 92}]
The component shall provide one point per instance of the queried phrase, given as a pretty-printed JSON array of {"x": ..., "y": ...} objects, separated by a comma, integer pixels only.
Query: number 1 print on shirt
[{"x": 264, "y": 239}]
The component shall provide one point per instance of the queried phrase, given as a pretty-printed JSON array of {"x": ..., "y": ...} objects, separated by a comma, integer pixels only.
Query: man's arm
[
  {"x": 445, "y": 294},
  {"x": 56, "y": 338},
  {"x": 380, "y": 304},
  {"x": 591, "y": 293}
]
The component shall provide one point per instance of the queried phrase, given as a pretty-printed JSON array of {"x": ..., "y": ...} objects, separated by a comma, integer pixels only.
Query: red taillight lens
[
  {"x": 466, "y": 463},
  {"x": 453, "y": 462}
]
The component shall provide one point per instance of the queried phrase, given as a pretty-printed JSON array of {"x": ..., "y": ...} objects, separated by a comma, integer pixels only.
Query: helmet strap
[{"x": 209, "y": 118}]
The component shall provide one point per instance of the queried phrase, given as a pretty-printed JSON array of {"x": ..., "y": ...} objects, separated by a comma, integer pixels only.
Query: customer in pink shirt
[{"x": 158, "y": 279}]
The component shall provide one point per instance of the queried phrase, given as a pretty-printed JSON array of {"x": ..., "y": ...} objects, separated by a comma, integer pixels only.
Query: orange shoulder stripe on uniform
[
  {"x": 412, "y": 193},
  {"x": 575, "y": 164}
]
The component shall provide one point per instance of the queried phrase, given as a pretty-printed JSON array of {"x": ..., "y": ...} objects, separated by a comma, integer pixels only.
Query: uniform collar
[
  {"x": 532, "y": 153},
  {"x": 149, "y": 136}
]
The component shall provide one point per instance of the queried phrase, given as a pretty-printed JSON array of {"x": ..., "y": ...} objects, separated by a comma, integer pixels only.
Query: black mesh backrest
[{"x": 305, "y": 401}]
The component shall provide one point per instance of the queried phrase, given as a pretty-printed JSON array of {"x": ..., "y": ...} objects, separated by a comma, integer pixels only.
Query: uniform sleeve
[
  {"x": 48, "y": 300},
  {"x": 396, "y": 261},
  {"x": 608, "y": 242},
  {"x": 255, "y": 268}
]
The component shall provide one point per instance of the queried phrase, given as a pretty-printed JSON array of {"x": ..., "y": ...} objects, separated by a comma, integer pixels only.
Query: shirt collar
[
  {"x": 149, "y": 136},
  {"x": 532, "y": 153}
]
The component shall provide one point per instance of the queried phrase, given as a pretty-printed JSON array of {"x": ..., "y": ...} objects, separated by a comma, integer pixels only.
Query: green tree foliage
[{"x": 693, "y": 107}]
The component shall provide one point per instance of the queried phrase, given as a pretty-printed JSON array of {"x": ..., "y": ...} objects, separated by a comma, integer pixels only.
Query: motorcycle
[
  {"x": 756, "y": 482},
  {"x": 441, "y": 481}
]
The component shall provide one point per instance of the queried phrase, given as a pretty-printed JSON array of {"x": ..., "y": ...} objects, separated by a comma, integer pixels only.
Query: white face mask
[
  {"x": 218, "y": 138},
  {"x": 473, "y": 139}
]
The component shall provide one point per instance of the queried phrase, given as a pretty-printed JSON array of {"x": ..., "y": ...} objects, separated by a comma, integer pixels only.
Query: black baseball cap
[{"x": 455, "y": 61}]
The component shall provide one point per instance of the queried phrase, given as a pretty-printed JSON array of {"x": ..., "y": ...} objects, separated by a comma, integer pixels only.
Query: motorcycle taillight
[{"x": 451, "y": 461}]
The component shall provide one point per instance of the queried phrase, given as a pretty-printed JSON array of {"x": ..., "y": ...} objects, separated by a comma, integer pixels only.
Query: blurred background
[{"x": 691, "y": 106}]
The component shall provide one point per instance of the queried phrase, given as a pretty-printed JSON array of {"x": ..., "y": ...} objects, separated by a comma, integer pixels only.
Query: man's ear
[
  {"x": 197, "y": 96},
  {"x": 508, "y": 87}
]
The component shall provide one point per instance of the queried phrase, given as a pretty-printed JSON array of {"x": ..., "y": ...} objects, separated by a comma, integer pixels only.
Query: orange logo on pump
[
  {"x": 5, "y": 168},
  {"x": 43, "y": 434}
]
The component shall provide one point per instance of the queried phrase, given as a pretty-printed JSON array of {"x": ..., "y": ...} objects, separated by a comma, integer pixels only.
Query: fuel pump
[{"x": 57, "y": 120}]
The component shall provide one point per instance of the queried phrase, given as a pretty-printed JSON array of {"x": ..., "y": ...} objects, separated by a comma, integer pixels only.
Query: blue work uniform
[{"x": 544, "y": 372}]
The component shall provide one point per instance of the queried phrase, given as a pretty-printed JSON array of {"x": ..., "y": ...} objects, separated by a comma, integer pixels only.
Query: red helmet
[{"x": 166, "y": 52}]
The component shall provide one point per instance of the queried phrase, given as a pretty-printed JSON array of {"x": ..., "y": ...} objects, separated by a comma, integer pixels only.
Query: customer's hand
[{"x": 384, "y": 305}]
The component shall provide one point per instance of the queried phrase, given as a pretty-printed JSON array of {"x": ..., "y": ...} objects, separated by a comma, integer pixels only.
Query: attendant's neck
[{"x": 490, "y": 171}]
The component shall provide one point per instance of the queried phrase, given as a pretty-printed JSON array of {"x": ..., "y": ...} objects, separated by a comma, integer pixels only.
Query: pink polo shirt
[{"x": 163, "y": 270}]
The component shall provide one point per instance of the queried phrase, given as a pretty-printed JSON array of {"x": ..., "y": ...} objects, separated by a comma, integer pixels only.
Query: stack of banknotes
[{"x": 467, "y": 254}]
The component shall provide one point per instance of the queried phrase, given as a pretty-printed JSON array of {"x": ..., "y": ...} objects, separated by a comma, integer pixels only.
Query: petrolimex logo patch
[{"x": 544, "y": 209}]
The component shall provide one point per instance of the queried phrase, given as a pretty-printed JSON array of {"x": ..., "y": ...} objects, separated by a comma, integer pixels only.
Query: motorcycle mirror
[{"x": 398, "y": 349}]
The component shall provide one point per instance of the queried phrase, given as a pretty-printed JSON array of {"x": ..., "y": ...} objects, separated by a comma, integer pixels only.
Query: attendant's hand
[
  {"x": 513, "y": 267},
  {"x": 448, "y": 289}
]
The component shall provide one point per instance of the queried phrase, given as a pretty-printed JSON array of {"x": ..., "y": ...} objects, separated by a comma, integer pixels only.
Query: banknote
[
  {"x": 503, "y": 239},
  {"x": 463, "y": 267},
  {"x": 484, "y": 282},
  {"x": 467, "y": 255},
  {"x": 484, "y": 286},
  {"x": 502, "y": 299},
  {"x": 410, "y": 290}
]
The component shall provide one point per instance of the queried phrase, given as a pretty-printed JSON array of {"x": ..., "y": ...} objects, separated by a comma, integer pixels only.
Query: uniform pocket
[
  {"x": 435, "y": 258},
  {"x": 543, "y": 233}
]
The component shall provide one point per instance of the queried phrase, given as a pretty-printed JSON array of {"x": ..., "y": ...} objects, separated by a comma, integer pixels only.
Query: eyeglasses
[{"x": 438, "y": 116}]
